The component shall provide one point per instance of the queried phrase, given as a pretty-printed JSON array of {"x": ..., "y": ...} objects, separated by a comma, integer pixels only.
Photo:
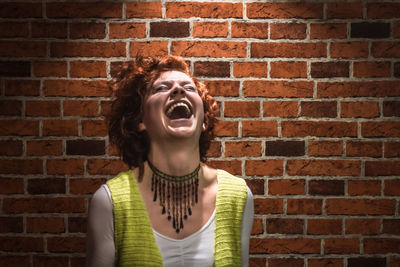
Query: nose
[{"x": 177, "y": 90}]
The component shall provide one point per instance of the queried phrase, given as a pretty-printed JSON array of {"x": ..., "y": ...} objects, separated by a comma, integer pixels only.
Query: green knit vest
[{"x": 134, "y": 241}]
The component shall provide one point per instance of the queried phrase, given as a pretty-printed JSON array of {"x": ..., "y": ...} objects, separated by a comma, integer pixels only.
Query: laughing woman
[{"x": 170, "y": 208}]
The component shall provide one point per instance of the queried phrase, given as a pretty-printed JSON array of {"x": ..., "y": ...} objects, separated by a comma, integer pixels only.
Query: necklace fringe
[{"x": 177, "y": 194}]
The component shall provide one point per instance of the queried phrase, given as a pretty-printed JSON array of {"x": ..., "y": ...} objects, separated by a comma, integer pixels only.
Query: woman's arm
[
  {"x": 100, "y": 250},
  {"x": 247, "y": 224}
]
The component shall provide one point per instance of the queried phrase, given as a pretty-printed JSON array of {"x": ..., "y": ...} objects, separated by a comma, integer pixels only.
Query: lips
[{"x": 179, "y": 110}]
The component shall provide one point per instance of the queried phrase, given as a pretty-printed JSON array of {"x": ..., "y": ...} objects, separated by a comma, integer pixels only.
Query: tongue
[{"x": 179, "y": 113}]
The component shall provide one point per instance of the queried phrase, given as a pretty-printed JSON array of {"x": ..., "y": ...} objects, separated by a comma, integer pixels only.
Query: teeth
[{"x": 179, "y": 104}]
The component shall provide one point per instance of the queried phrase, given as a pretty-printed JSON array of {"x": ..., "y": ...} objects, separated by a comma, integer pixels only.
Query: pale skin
[{"x": 174, "y": 149}]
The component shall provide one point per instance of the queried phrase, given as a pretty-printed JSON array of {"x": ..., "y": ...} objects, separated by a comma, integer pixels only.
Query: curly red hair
[{"x": 130, "y": 86}]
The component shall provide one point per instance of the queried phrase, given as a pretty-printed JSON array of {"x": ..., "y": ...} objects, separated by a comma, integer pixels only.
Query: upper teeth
[{"x": 182, "y": 104}]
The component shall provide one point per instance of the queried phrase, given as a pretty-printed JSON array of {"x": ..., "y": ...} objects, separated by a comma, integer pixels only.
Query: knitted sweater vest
[{"x": 134, "y": 241}]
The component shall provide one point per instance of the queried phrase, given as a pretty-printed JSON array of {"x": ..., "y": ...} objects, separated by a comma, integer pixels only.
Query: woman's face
[{"x": 173, "y": 107}]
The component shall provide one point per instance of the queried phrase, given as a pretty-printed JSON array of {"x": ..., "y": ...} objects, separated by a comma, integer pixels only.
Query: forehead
[{"x": 173, "y": 75}]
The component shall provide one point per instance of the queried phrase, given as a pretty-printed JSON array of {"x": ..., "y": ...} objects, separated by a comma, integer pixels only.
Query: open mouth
[{"x": 179, "y": 110}]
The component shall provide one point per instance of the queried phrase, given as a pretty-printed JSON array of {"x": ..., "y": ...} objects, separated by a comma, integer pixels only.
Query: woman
[{"x": 170, "y": 209}]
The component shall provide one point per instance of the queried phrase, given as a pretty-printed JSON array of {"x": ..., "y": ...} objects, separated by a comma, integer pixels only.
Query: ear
[
  {"x": 142, "y": 127},
  {"x": 204, "y": 127}
]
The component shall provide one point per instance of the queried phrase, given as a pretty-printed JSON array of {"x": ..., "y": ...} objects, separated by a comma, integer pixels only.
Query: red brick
[
  {"x": 49, "y": 29},
  {"x": 94, "y": 128},
  {"x": 9, "y": 260},
  {"x": 105, "y": 166},
  {"x": 304, "y": 206},
  {"x": 226, "y": 128},
  {"x": 213, "y": 151},
  {"x": 209, "y": 49},
  {"x": 143, "y": 10},
  {"x": 284, "y": 226},
  {"x": 371, "y": 69},
  {"x": 203, "y": 10},
  {"x": 278, "y": 89},
  {"x": 22, "y": 88},
  {"x": 212, "y": 69},
  {"x": 88, "y": 69},
  {"x": 60, "y": 128},
  {"x": 45, "y": 225},
  {"x": 44, "y": 205},
  {"x": 11, "y": 148},
  {"x": 367, "y": 261},
  {"x": 210, "y": 29},
  {"x": 383, "y": 10},
  {"x": 11, "y": 186},
  {"x": 381, "y": 245},
  {"x": 286, "y": 187},
  {"x": 10, "y": 107},
  {"x": 386, "y": 49},
  {"x": 250, "y": 69},
  {"x": 285, "y": 148},
  {"x": 288, "y": 50},
  {"x": 280, "y": 109},
  {"x": 288, "y": 69},
  {"x": 362, "y": 226},
  {"x": 285, "y": 262},
  {"x": 364, "y": 187},
  {"x": 84, "y": 10},
  {"x": 318, "y": 109},
  {"x": 50, "y": 68},
  {"x": 149, "y": 48},
  {"x": 76, "y": 88},
  {"x": 349, "y": 50},
  {"x": 231, "y": 166},
  {"x": 127, "y": 30},
  {"x": 77, "y": 224},
  {"x": 259, "y": 128},
  {"x": 43, "y": 147},
  {"x": 86, "y": 147},
  {"x": 78, "y": 261},
  {"x": 392, "y": 149},
  {"x": 319, "y": 128},
  {"x": 11, "y": 29},
  {"x": 363, "y": 149},
  {"x": 21, "y": 166},
  {"x": 46, "y": 186},
  {"x": 68, "y": 244},
  {"x": 342, "y": 245},
  {"x": 328, "y": 31},
  {"x": 88, "y": 49},
  {"x": 223, "y": 88},
  {"x": 392, "y": 188},
  {"x": 358, "y": 89},
  {"x": 242, "y": 109},
  {"x": 315, "y": 167},
  {"x": 21, "y": 244},
  {"x": 11, "y": 225},
  {"x": 380, "y": 129},
  {"x": 87, "y": 30},
  {"x": 395, "y": 261},
  {"x": 249, "y": 30},
  {"x": 256, "y": 186},
  {"x": 359, "y": 109},
  {"x": 343, "y": 206},
  {"x": 21, "y": 10},
  {"x": 257, "y": 227},
  {"x": 66, "y": 166},
  {"x": 391, "y": 226},
  {"x": 285, "y": 245},
  {"x": 326, "y": 187},
  {"x": 242, "y": 149},
  {"x": 345, "y": 10},
  {"x": 382, "y": 168},
  {"x": 42, "y": 108},
  {"x": 15, "y": 68},
  {"x": 81, "y": 108},
  {"x": 55, "y": 261},
  {"x": 19, "y": 127},
  {"x": 288, "y": 30},
  {"x": 268, "y": 206},
  {"x": 256, "y": 262},
  {"x": 278, "y": 10},
  {"x": 22, "y": 49},
  {"x": 331, "y": 262},
  {"x": 324, "y": 226},
  {"x": 325, "y": 148},
  {"x": 82, "y": 186},
  {"x": 391, "y": 108},
  {"x": 329, "y": 69},
  {"x": 396, "y": 30},
  {"x": 273, "y": 167}
]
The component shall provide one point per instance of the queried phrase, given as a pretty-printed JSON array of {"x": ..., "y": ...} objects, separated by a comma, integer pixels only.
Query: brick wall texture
[{"x": 310, "y": 105}]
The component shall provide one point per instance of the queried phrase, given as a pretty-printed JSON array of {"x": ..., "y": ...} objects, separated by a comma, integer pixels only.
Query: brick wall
[{"x": 310, "y": 106}]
